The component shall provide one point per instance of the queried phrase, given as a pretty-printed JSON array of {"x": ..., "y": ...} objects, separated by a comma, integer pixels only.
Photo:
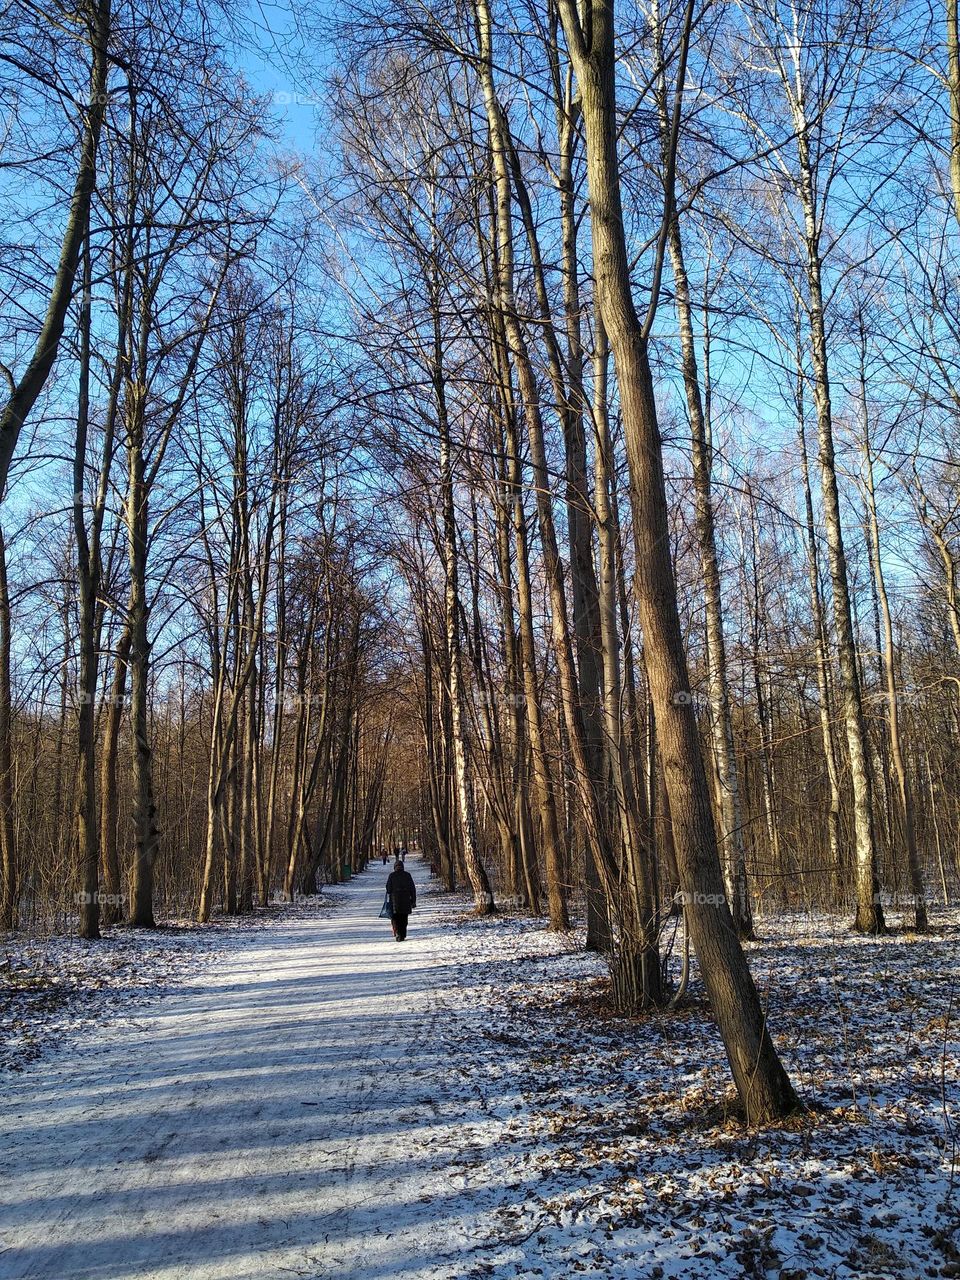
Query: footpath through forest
[
  {"x": 318, "y": 1100},
  {"x": 285, "y": 1115}
]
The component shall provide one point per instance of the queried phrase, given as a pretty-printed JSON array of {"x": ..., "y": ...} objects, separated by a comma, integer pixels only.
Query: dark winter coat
[{"x": 402, "y": 893}]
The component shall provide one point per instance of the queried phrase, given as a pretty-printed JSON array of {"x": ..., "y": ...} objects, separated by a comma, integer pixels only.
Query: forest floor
[{"x": 299, "y": 1095}]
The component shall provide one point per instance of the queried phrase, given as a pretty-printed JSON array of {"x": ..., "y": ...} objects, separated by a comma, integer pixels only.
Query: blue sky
[{"x": 275, "y": 63}]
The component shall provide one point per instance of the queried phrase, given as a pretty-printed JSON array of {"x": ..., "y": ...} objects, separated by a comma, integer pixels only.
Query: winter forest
[{"x": 527, "y": 433}]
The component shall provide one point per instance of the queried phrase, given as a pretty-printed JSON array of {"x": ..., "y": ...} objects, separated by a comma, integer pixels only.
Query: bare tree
[
  {"x": 761, "y": 1080},
  {"x": 94, "y": 19}
]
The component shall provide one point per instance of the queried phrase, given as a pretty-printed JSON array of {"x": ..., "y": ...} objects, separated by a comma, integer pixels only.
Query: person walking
[{"x": 402, "y": 894}]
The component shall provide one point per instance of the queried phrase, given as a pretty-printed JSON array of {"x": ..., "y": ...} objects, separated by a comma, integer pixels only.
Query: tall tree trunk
[
  {"x": 8, "y": 837},
  {"x": 582, "y": 764},
  {"x": 635, "y": 831},
  {"x": 733, "y": 854},
  {"x": 759, "y": 647},
  {"x": 265, "y": 860},
  {"x": 566, "y": 373},
  {"x": 824, "y": 698},
  {"x": 897, "y": 756},
  {"x": 731, "y": 834},
  {"x": 88, "y": 584},
  {"x": 109, "y": 788},
  {"x": 248, "y": 795},
  {"x": 953, "y": 85},
  {"x": 526, "y": 654},
  {"x": 869, "y": 913},
  {"x": 147, "y": 837},
  {"x": 494, "y": 779},
  {"x": 476, "y": 874},
  {"x": 543, "y": 782},
  {"x": 763, "y": 1085},
  {"x": 515, "y": 688}
]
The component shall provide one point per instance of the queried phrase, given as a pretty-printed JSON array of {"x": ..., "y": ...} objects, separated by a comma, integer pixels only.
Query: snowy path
[
  {"x": 317, "y": 1100},
  {"x": 286, "y": 1114}
]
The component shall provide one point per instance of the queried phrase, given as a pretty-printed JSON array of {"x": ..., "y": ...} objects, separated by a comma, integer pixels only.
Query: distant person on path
[{"x": 402, "y": 893}]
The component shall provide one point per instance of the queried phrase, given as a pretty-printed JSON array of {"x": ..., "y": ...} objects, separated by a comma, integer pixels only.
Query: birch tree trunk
[{"x": 953, "y": 86}]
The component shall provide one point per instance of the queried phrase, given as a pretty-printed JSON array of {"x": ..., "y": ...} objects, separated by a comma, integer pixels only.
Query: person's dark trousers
[{"x": 400, "y": 926}]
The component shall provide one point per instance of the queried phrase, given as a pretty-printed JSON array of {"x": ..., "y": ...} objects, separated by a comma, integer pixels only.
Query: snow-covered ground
[
  {"x": 52, "y": 987},
  {"x": 306, "y": 1097},
  {"x": 628, "y": 1156}
]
